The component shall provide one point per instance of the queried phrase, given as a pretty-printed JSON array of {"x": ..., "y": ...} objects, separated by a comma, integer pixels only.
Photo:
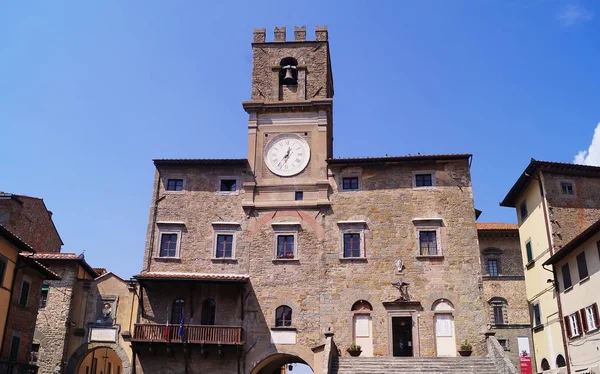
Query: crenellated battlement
[{"x": 279, "y": 34}]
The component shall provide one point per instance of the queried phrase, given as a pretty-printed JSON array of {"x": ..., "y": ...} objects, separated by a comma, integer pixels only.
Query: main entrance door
[{"x": 402, "y": 336}]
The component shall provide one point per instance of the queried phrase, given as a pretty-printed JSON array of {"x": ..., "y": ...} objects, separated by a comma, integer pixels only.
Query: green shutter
[{"x": 529, "y": 252}]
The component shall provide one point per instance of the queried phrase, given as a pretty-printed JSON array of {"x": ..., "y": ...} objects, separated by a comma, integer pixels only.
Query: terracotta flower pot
[
  {"x": 465, "y": 353},
  {"x": 354, "y": 353}
]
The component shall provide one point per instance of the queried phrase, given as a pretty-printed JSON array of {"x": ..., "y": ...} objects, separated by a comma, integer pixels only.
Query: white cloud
[
  {"x": 591, "y": 156},
  {"x": 572, "y": 14}
]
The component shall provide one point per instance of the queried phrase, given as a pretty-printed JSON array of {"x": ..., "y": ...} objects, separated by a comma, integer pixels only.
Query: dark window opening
[
  {"x": 503, "y": 343},
  {"x": 423, "y": 180},
  {"x": 174, "y": 184},
  {"x": 224, "y": 246},
  {"x": 493, "y": 268},
  {"x": 283, "y": 316},
  {"x": 545, "y": 364},
  {"x": 2, "y": 270},
  {"x": 299, "y": 195},
  {"x": 582, "y": 266},
  {"x": 13, "y": 354},
  {"x": 285, "y": 246},
  {"x": 24, "y": 293},
  {"x": 288, "y": 71},
  {"x": 177, "y": 314},
  {"x": 209, "y": 312},
  {"x": 44, "y": 295},
  {"x": 560, "y": 361},
  {"x": 566, "y": 188},
  {"x": 168, "y": 245},
  {"x": 35, "y": 354},
  {"x": 498, "y": 314},
  {"x": 428, "y": 243},
  {"x": 566, "y": 275},
  {"x": 350, "y": 183},
  {"x": 537, "y": 317},
  {"x": 228, "y": 185},
  {"x": 523, "y": 209},
  {"x": 352, "y": 245}
]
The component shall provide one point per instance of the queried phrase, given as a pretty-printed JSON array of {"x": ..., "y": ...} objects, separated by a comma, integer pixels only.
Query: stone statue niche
[{"x": 106, "y": 310}]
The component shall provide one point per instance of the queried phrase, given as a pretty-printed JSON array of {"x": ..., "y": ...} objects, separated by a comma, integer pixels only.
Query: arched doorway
[
  {"x": 279, "y": 363},
  {"x": 362, "y": 327},
  {"x": 445, "y": 340},
  {"x": 101, "y": 360}
]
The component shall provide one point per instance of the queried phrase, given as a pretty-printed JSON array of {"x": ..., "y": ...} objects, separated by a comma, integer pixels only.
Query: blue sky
[{"x": 93, "y": 91}]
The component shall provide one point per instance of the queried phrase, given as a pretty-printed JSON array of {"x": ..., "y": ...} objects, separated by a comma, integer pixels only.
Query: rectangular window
[
  {"x": 537, "y": 315},
  {"x": 299, "y": 195},
  {"x": 566, "y": 275},
  {"x": 2, "y": 270},
  {"x": 574, "y": 323},
  {"x": 224, "y": 246},
  {"x": 503, "y": 344},
  {"x": 350, "y": 183},
  {"x": 529, "y": 251},
  {"x": 174, "y": 184},
  {"x": 285, "y": 246},
  {"x": 566, "y": 188},
  {"x": 498, "y": 314},
  {"x": 13, "y": 354},
  {"x": 493, "y": 268},
  {"x": 582, "y": 266},
  {"x": 591, "y": 317},
  {"x": 35, "y": 354},
  {"x": 428, "y": 243},
  {"x": 168, "y": 245},
  {"x": 523, "y": 209},
  {"x": 228, "y": 185},
  {"x": 352, "y": 245},
  {"x": 44, "y": 296},
  {"x": 24, "y": 293},
  {"x": 423, "y": 180}
]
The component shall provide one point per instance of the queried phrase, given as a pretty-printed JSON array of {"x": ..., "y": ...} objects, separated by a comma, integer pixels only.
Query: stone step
[{"x": 413, "y": 365}]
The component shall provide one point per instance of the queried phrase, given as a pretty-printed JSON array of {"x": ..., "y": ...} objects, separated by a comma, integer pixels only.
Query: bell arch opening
[{"x": 277, "y": 363}]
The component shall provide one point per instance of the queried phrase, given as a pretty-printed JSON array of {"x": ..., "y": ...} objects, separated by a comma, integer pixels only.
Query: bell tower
[{"x": 290, "y": 126}]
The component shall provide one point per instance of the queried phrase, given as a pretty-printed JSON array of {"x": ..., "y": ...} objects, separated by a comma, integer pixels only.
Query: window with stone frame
[
  {"x": 428, "y": 239},
  {"x": 352, "y": 239},
  {"x": 225, "y": 236},
  {"x": 498, "y": 311},
  {"x": 286, "y": 240},
  {"x": 228, "y": 185},
  {"x": 504, "y": 344},
  {"x": 283, "y": 316},
  {"x": 567, "y": 188},
  {"x": 493, "y": 267},
  {"x": 285, "y": 246},
  {"x": 428, "y": 243},
  {"x": 350, "y": 183},
  {"x": 350, "y": 179},
  {"x": 224, "y": 247},
  {"x": 169, "y": 239},
  {"x": 168, "y": 244},
  {"x": 174, "y": 184}
]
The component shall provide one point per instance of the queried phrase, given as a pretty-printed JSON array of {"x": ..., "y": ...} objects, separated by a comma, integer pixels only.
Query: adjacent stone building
[
  {"x": 249, "y": 262},
  {"x": 504, "y": 287}
]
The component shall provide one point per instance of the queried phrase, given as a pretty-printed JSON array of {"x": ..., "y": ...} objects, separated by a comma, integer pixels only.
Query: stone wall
[{"x": 21, "y": 319}]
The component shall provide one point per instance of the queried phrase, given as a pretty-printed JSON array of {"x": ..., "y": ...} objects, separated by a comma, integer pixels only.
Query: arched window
[
  {"x": 498, "y": 311},
  {"x": 560, "y": 361},
  {"x": 545, "y": 365},
  {"x": 177, "y": 311},
  {"x": 208, "y": 312},
  {"x": 362, "y": 306},
  {"x": 283, "y": 316},
  {"x": 288, "y": 71}
]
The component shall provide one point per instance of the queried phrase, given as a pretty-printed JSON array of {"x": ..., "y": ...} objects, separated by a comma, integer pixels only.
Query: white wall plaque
[
  {"x": 443, "y": 325},
  {"x": 361, "y": 326},
  {"x": 103, "y": 334},
  {"x": 283, "y": 336}
]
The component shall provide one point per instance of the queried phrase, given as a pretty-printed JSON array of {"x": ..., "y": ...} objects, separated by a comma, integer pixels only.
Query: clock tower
[{"x": 290, "y": 120}]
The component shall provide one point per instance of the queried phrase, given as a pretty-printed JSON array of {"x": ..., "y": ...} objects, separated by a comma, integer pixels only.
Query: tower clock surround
[{"x": 287, "y": 155}]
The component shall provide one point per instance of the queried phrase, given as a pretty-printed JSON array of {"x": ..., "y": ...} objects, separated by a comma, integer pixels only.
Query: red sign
[{"x": 525, "y": 364}]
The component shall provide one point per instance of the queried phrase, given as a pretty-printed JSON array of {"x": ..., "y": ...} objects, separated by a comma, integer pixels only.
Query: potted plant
[
  {"x": 465, "y": 349},
  {"x": 354, "y": 350}
]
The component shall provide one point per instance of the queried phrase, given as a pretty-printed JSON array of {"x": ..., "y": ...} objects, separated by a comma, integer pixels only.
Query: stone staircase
[{"x": 415, "y": 365}]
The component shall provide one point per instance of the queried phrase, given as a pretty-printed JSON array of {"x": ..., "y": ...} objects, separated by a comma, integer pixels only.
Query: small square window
[
  {"x": 503, "y": 344},
  {"x": 493, "y": 268},
  {"x": 44, "y": 296},
  {"x": 285, "y": 246},
  {"x": 566, "y": 275},
  {"x": 174, "y": 184},
  {"x": 224, "y": 246},
  {"x": 299, "y": 195},
  {"x": 24, "y": 296},
  {"x": 228, "y": 185},
  {"x": 352, "y": 247},
  {"x": 582, "y": 266},
  {"x": 566, "y": 188},
  {"x": 168, "y": 245},
  {"x": 529, "y": 251},
  {"x": 523, "y": 209},
  {"x": 423, "y": 180},
  {"x": 428, "y": 243},
  {"x": 350, "y": 183}
]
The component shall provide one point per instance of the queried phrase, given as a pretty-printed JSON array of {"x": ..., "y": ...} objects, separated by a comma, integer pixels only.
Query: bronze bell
[{"x": 289, "y": 75}]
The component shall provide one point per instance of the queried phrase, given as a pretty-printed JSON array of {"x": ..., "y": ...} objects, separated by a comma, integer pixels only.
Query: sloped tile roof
[
  {"x": 496, "y": 226},
  {"x": 417, "y": 157},
  {"x": 167, "y": 275}
]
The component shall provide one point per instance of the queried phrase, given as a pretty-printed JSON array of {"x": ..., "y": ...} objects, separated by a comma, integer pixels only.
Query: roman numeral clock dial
[{"x": 287, "y": 155}]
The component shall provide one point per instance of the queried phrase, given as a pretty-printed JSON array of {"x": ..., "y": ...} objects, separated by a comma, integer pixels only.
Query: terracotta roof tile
[
  {"x": 56, "y": 256},
  {"x": 417, "y": 157},
  {"x": 167, "y": 275},
  {"x": 496, "y": 226},
  {"x": 50, "y": 274}
]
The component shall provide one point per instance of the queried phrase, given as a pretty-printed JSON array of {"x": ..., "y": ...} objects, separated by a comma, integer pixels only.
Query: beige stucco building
[
  {"x": 554, "y": 202},
  {"x": 577, "y": 268},
  {"x": 251, "y": 263}
]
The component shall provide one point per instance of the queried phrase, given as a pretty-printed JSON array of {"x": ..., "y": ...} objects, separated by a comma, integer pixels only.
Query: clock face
[{"x": 287, "y": 155}]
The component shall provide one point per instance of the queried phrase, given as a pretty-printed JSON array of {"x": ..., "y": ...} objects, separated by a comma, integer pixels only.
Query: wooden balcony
[
  {"x": 194, "y": 334},
  {"x": 17, "y": 368}
]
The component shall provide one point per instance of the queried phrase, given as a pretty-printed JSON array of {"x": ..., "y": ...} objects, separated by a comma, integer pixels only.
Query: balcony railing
[
  {"x": 196, "y": 334},
  {"x": 17, "y": 368}
]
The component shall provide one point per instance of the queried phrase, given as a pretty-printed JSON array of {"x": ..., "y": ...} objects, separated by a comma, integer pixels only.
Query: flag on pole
[
  {"x": 181, "y": 323},
  {"x": 167, "y": 328}
]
